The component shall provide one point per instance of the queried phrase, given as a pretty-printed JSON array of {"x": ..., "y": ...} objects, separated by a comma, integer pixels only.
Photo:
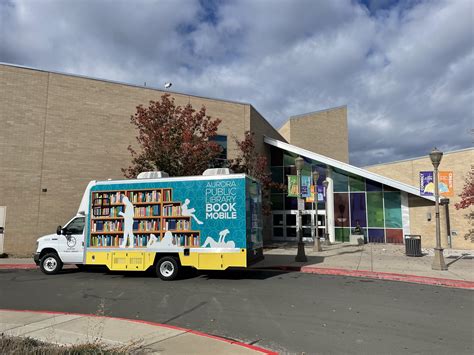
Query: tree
[
  {"x": 172, "y": 138},
  {"x": 255, "y": 165},
  {"x": 467, "y": 200},
  {"x": 467, "y": 194}
]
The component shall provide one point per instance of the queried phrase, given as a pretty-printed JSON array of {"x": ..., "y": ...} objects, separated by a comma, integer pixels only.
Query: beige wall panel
[
  {"x": 323, "y": 132},
  {"x": 260, "y": 126},
  {"x": 233, "y": 116},
  {"x": 22, "y": 118},
  {"x": 407, "y": 171},
  {"x": 86, "y": 134},
  {"x": 285, "y": 131}
]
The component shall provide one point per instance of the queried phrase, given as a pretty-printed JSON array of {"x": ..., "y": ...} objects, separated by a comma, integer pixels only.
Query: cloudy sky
[{"x": 404, "y": 68}]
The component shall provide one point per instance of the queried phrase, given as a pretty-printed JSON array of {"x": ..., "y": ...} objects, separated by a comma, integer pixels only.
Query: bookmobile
[{"x": 209, "y": 222}]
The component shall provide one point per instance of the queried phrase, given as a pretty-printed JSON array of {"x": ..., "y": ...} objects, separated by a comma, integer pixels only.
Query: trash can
[{"x": 413, "y": 245}]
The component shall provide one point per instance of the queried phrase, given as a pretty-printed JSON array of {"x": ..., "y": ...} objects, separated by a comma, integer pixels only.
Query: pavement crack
[
  {"x": 199, "y": 305},
  {"x": 46, "y": 327}
]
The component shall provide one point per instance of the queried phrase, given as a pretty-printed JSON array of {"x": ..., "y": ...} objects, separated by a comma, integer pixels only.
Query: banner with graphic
[
  {"x": 445, "y": 183},
  {"x": 293, "y": 186},
  {"x": 426, "y": 183},
  {"x": 171, "y": 215},
  {"x": 320, "y": 189},
  {"x": 305, "y": 186}
]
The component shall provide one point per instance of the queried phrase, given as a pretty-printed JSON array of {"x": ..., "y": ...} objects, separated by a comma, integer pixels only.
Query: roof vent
[
  {"x": 152, "y": 175},
  {"x": 217, "y": 171}
]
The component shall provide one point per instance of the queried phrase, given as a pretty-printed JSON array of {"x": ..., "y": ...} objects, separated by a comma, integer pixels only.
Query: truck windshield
[{"x": 75, "y": 227}]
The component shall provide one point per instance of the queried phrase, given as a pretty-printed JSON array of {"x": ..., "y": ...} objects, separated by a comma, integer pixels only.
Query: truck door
[{"x": 71, "y": 243}]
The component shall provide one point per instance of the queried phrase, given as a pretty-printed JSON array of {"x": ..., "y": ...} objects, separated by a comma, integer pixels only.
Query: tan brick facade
[
  {"x": 61, "y": 131},
  {"x": 407, "y": 171},
  {"x": 323, "y": 132}
]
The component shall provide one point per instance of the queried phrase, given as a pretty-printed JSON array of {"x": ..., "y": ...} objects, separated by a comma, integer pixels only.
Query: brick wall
[
  {"x": 408, "y": 172},
  {"x": 61, "y": 131},
  {"x": 323, "y": 132}
]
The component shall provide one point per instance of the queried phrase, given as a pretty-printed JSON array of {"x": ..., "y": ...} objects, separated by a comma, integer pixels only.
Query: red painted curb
[
  {"x": 195, "y": 332},
  {"x": 390, "y": 276},
  {"x": 18, "y": 266}
]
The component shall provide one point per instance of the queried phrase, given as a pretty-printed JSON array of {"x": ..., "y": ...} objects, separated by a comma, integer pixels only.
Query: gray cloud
[{"x": 403, "y": 68}]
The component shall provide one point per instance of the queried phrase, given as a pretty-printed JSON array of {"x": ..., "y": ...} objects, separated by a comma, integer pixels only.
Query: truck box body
[{"x": 210, "y": 222}]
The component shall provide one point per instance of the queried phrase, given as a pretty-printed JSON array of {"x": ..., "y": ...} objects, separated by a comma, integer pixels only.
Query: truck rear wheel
[
  {"x": 51, "y": 264},
  {"x": 167, "y": 268}
]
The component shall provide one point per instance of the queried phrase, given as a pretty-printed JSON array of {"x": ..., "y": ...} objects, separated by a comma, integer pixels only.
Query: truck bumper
[{"x": 36, "y": 258}]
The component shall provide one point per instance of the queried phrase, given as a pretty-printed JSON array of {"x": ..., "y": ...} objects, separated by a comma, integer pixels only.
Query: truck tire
[
  {"x": 51, "y": 264},
  {"x": 167, "y": 268}
]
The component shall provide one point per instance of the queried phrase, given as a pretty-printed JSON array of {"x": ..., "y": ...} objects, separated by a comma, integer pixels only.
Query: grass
[{"x": 12, "y": 345}]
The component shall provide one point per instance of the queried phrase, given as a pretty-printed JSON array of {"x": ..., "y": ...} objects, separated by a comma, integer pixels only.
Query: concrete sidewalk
[
  {"x": 384, "y": 258},
  {"x": 70, "y": 328}
]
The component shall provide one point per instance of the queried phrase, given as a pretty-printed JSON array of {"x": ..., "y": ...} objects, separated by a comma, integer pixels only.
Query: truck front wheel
[
  {"x": 167, "y": 268},
  {"x": 51, "y": 264}
]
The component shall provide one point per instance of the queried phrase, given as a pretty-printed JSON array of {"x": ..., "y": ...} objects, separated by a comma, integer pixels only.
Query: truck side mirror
[{"x": 58, "y": 230}]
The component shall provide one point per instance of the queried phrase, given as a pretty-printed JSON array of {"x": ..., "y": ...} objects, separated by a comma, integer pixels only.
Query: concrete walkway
[
  {"x": 381, "y": 258},
  {"x": 70, "y": 328}
]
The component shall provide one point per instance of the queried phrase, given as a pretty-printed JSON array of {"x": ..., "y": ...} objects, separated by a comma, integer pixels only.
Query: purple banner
[
  {"x": 321, "y": 194},
  {"x": 426, "y": 183}
]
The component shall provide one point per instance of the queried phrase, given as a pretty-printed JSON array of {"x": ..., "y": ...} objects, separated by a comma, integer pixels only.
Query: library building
[{"x": 60, "y": 131}]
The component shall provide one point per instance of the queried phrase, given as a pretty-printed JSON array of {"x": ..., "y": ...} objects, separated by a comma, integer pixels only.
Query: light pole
[
  {"x": 438, "y": 261},
  {"x": 300, "y": 256},
  {"x": 326, "y": 233},
  {"x": 317, "y": 242}
]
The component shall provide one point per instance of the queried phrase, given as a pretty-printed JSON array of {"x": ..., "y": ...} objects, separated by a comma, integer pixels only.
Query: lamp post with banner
[
  {"x": 317, "y": 242},
  {"x": 326, "y": 233},
  {"x": 300, "y": 256},
  {"x": 438, "y": 261}
]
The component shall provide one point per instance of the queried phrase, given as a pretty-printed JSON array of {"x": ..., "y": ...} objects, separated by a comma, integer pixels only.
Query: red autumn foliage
[
  {"x": 467, "y": 200},
  {"x": 172, "y": 138},
  {"x": 248, "y": 161},
  {"x": 467, "y": 194}
]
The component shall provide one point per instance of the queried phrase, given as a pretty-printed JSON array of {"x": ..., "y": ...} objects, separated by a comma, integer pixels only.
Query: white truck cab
[{"x": 66, "y": 246}]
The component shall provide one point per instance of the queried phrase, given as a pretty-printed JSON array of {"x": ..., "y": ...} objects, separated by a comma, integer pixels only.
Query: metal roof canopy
[{"x": 346, "y": 167}]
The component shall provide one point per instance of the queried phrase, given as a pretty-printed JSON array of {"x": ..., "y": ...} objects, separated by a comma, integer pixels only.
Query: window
[
  {"x": 221, "y": 159},
  {"x": 75, "y": 227}
]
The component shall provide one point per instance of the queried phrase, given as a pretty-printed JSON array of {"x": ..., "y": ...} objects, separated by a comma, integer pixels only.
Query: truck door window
[{"x": 75, "y": 227}]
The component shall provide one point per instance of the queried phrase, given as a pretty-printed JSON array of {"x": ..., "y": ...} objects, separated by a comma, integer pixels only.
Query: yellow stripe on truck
[
  {"x": 140, "y": 261},
  {"x": 214, "y": 261}
]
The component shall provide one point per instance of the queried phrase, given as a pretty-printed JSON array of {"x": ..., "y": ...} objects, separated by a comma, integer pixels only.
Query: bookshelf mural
[
  {"x": 152, "y": 216},
  {"x": 140, "y": 219}
]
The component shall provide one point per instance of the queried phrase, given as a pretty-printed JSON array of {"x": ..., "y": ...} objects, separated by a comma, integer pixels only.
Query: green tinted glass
[
  {"x": 340, "y": 181},
  {"x": 375, "y": 213},
  {"x": 342, "y": 234},
  {"x": 289, "y": 159},
  {"x": 357, "y": 183},
  {"x": 393, "y": 210}
]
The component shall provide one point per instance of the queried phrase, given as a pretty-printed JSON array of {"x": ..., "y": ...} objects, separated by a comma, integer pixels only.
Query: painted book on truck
[{"x": 209, "y": 222}]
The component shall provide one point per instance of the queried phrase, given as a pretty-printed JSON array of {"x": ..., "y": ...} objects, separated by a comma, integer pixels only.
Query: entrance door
[
  {"x": 284, "y": 225},
  {"x": 3, "y": 216}
]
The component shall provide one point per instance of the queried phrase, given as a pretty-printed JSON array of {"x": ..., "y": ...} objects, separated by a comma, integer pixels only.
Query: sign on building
[
  {"x": 445, "y": 183},
  {"x": 320, "y": 194},
  {"x": 293, "y": 186}
]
